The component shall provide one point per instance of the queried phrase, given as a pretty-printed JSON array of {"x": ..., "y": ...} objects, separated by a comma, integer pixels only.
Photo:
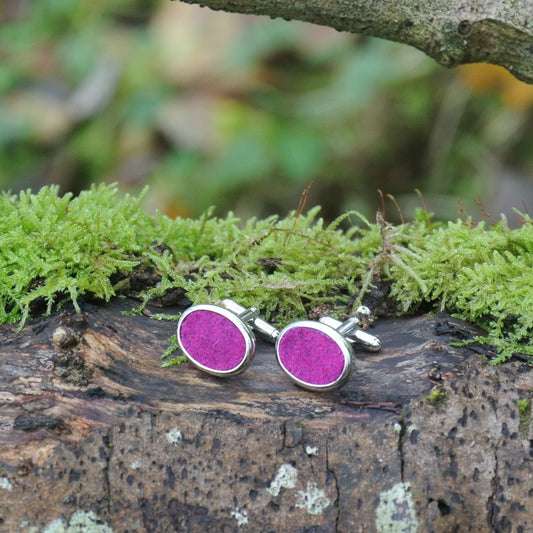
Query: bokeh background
[{"x": 244, "y": 112}]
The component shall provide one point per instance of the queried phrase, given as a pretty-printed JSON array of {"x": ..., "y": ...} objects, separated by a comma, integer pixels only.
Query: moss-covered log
[
  {"x": 451, "y": 32},
  {"x": 94, "y": 433}
]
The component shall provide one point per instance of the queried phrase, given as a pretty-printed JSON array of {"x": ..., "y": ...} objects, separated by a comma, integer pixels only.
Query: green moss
[
  {"x": 172, "y": 349},
  {"x": 524, "y": 406},
  {"x": 524, "y": 410},
  {"x": 482, "y": 274},
  {"x": 55, "y": 249},
  {"x": 436, "y": 397}
]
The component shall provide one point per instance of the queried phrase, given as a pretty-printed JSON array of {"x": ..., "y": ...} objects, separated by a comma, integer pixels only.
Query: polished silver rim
[
  {"x": 242, "y": 327},
  {"x": 337, "y": 338}
]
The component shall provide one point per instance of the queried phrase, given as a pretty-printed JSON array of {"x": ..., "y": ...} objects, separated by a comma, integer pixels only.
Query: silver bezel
[
  {"x": 242, "y": 327},
  {"x": 341, "y": 342}
]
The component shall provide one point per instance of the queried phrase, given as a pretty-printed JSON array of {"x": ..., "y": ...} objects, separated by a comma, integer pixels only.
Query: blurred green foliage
[{"x": 244, "y": 112}]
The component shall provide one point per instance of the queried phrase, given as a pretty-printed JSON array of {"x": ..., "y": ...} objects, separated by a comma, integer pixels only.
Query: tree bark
[
  {"x": 95, "y": 434},
  {"x": 450, "y": 31}
]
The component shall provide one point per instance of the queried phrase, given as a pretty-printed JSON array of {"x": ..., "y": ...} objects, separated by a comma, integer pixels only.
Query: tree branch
[{"x": 452, "y": 32}]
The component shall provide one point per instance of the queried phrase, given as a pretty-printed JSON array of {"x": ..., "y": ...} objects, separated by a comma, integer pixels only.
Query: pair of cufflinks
[{"x": 316, "y": 355}]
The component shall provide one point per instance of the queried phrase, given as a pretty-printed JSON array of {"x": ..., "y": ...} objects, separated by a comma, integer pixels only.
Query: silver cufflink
[
  {"x": 318, "y": 356},
  {"x": 218, "y": 339}
]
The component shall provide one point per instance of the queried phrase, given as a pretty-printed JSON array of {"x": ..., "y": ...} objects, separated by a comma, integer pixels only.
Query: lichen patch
[
  {"x": 285, "y": 479},
  {"x": 395, "y": 512},
  {"x": 311, "y": 450},
  {"x": 313, "y": 500},
  {"x": 5, "y": 484},
  {"x": 174, "y": 436},
  {"x": 80, "y": 522},
  {"x": 241, "y": 516}
]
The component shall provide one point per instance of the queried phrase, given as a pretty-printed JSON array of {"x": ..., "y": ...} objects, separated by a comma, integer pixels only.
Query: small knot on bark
[
  {"x": 464, "y": 27},
  {"x": 64, "y": 337}
]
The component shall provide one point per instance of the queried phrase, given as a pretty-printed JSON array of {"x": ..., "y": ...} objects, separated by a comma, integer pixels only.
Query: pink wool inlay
[
  {"x": 213, "y": 340},
  {"x": 311, "y": 356}
]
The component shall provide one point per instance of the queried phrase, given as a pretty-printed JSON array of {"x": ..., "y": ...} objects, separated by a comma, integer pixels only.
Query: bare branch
[{"x": 452, "y": 32}]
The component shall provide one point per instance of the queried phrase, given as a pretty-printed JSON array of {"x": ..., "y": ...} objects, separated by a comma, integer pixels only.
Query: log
[{"x": 96, "y": 436}]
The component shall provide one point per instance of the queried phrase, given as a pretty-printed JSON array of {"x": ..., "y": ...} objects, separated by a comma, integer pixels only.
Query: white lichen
[
  {"x": 80, "y": 522},
  {"x": 395, "y": 512},
  {"x": 313, "y": 500},
  {"x": 241, "y": 516},
  {"x": 174, "y": 436},
  {"x": 285, "y": 479},
  {"x": 5, "y": 484},
  {"x": 56, "y": 526},
  {"x": 311, "y": 450},
  {"x": 135, "y": 465}
]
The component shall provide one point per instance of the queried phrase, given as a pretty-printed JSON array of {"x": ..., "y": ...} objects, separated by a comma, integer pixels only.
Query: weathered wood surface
[{"x": 97, "y": 433}]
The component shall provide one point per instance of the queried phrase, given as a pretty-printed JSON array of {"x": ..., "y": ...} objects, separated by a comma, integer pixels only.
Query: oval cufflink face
[
  {"x": 215, "y": 340},
  {"x": 314, "y": 356}
]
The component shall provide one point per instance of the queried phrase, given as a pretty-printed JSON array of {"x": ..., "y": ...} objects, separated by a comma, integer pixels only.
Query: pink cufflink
[
  {"x": 318, "y": 355},
  {"x": 218, "y": 339}
]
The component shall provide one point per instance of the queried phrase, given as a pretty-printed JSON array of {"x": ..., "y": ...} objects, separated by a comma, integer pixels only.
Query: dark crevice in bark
[
  {"x": 292, "y": 432},
  {"x": 107, "y": 452},
  {"x": 402, "y": 433},
  {"x": 336, "y": 503},
  {"x": 492, "y": 508}
]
